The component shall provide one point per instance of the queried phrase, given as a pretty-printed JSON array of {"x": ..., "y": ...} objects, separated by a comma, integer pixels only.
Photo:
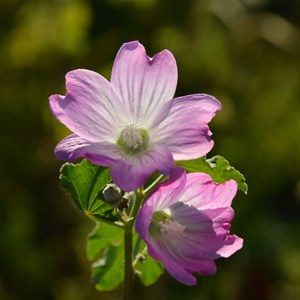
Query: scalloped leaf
[
  {"x": 217, "y": 167},
  {"x": 105, "y": 246},
  {"x": 84, "y": 182}
]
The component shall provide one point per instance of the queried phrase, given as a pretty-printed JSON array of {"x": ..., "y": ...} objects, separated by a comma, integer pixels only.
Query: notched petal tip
[
  {"x": 180, "y": 273},
  {"x": 80, "y": 71},
  {"x": 232, "y": 185},
  {"x": 216, "y": 102},
  {"x": 232, "y": 244},
  {"x": 68, "y": 148},
  {"x": 53, "y": 97},
  {"x": 77, "y": 79},
  {"x": 57, "y": 104},
  {"x": 131, "y": 45},
  {"x": 191, "y": 281},
  {"x": 165, "y": 56}
]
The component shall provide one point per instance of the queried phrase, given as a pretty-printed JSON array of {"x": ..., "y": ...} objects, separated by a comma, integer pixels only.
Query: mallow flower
[
  {"x": 185, "y": 223},
  {"x": 132, "y": 123}
]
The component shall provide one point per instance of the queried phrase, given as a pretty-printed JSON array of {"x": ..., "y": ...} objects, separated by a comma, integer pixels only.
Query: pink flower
[
  {"x": 185, "y": 223},
  {"x": 131, "y": 123}
]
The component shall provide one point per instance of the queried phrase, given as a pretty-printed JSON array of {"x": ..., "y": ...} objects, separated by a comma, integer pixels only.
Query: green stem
[
  {"x": 128, "y": 227},
  {"x": 139, "y": 195},
  {"x": 152, "y": 185},
  {"x": 128, "y": 281}
]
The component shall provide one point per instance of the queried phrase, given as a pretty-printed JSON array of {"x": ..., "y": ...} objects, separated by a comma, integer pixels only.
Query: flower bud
[{"x": 112, "y": 194}]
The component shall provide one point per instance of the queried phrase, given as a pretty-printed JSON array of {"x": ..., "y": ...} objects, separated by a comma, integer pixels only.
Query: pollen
[
  {"x": 133, "y": 140},
  {"x": 171, "y": 229},
  {"x": 164, "y": 226}
]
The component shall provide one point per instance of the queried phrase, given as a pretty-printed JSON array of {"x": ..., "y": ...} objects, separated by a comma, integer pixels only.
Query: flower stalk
[
  {"x": 128, "y": 250},
  {"x": 129, "y": 276}
]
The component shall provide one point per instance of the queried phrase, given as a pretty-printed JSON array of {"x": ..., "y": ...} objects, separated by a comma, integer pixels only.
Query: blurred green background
[{"x": 246, "y": 53}]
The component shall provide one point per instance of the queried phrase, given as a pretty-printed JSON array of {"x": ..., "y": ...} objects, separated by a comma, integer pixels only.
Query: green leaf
[
  {"x": 102, "y": 236},
  {"x": 85, "y": 181},
  {"x": 105, "y": 244},
  {"x": 147, "y": 268},
  {"x": 217, "y": 167}
]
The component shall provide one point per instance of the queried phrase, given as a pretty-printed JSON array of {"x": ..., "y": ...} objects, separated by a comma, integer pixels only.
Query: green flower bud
[{"x": 112, "y": 194}]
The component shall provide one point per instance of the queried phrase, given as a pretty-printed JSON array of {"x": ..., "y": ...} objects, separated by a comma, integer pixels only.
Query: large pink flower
[
  {"x": 185, "y": 223},
  {"x": 131, "y": 123}
]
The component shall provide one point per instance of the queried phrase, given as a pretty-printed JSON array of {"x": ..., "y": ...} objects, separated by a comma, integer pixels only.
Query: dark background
[{"x": 246, "y": 53}]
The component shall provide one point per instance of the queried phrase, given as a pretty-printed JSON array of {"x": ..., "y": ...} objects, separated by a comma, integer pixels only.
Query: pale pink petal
[
  {"x": 143, "y": 83},
  {"x": 232, "y": 244},
  {"x": 74, "y": 147},
  {"x": 166, "y": 193},
  {"x": 133, "y": 172},
  {"x": 90, "y": 108},
  {"x": 205, "y": 233},
  {"x": 208, "y": 223},
  {"x": 184, "y": 130},
  {"x": 202, "y": 192}
]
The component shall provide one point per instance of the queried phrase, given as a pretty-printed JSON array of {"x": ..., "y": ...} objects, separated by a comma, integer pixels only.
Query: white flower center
[
  {"x": 164, "y": 226},
  {"x": 133, "y": 140},
  {"x": 132, "y": 137},
  {"x": 171, "y": 229}
]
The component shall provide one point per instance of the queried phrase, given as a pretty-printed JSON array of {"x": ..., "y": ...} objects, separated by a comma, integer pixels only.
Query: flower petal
[
  {"x": 174, "y": 263},
  {"x": 202, "y": 192},
  {"x": 73, "y": 147},
  {"x": 133, "y": 172},
  {"x": 144, "y": 83},
  {"x": 204, "y": 267},
  {"x": 162, "y": 195},
  {"x": 185, "y": 131},
  {"x": 171, "y": 254},
  {"x": 178, "y": 272},
  {"x": 232, "y": 244},
  {"x": 90, "y": 108},
  {"x": 205, "y": 232},
  {"x": 166, "y": 193}
]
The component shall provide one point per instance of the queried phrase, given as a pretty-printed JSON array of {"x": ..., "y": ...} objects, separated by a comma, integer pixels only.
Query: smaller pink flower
[{"x": 186, "y": 222}]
